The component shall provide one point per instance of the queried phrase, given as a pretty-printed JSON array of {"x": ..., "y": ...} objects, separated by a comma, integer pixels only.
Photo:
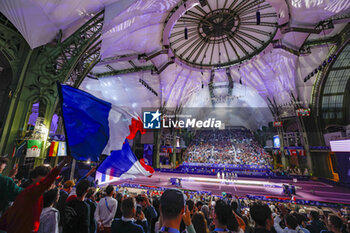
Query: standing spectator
[
  {"x": 205, "y": 211},
  {"x": 315, "y": 226},
  {"x": 35, "y": 175},
  {"x": 127, "y": 223},
  {"x": 67, "y": 188},
  {"x": 50, "y": 216},
  {"x": 200, "y": 223},
  {"x": 199, "y": 205},
  {"x": 105, "y": 211},
  {"x": 334, "y": 224},
  {"x": 119, "y": 198},
  {"x": 77, "y": 211},
  {"x": 90, "y": 199},
  {"x": 9, "y": 190},
  {"x": 147, "y": 208},
  {"x": 221, "y": 216},
  {"x": 301, "y": 218},
  {"x": 172, "y": 209},
  {"x": 262, "y": 215},
  {"x": 291, "y": 224},
  {"x": 24, "y": 215},
  {"x": 155, "y": 204}
]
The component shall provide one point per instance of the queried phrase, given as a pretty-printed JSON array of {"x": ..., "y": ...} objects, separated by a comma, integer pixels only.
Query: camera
[{"x": 138, "y": 209}]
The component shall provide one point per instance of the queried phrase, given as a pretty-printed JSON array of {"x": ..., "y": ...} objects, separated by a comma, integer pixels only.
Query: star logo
[
  {"x": 155, "y": 115},
  {"x": 151, "y": 120}
]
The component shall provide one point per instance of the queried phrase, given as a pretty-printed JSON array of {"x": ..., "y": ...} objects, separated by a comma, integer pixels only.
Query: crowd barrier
[
  {"x": 297, "y": 201},
  {"x": 252, "y": 171},
  {"x": 249, "y": 197}
]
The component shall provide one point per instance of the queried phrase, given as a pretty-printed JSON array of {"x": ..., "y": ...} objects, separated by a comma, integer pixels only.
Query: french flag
[
  {"x": 124, "y": 164},
  {"x": 94, "y": 127}
]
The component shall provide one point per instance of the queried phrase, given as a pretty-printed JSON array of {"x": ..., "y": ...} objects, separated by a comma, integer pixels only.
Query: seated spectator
[
  {"x": 127, "y": 223},
  {"x": 50, "y": 216},
  {"x": 262, "y": 216},
  {"x": 77, "y": 211}
]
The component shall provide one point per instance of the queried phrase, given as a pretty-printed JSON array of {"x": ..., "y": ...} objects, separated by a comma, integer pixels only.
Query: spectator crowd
[
  {"x": 43, "y": 205},
  {"x": 229, "y": 146}
]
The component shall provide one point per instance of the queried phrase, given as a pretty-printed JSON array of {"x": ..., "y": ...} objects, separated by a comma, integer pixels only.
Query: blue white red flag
[
  {"x": 124, "y": 164},
  {"x": 94, "y": 127}
]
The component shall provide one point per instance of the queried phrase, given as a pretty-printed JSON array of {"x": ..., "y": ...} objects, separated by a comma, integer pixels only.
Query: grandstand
[{"x": 229, "y": 146}]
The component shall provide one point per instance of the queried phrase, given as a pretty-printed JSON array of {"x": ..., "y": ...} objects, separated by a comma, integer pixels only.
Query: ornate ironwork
[
  {"x": 316, "y": 96},
  {"x": 68, "y": 61},
  {"x": 220, "y": 35},
  {"x": 12, "y": 44}
]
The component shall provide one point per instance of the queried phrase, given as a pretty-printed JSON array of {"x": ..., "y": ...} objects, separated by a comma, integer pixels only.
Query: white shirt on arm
[{"x": 105, "y": 211}]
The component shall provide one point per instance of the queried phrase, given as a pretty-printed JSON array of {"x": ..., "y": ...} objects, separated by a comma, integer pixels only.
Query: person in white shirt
[
  {"x": 105, "y": 210},
  {"x": 49, "y": 216}
]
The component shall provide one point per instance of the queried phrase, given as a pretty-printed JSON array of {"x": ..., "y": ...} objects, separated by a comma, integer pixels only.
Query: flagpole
[
  {"x": 59, "y": 89},
  {"x": 71, "y": 177}
]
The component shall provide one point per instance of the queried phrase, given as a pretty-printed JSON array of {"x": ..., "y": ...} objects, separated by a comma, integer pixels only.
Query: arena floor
[{"x": 306, "y": 190}]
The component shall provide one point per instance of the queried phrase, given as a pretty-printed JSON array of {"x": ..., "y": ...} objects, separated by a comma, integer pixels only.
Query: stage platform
[{"x": 306, "y": 190}]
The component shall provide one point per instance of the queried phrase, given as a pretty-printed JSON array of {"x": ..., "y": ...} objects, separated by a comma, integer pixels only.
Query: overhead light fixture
[
  {"x": 186, "y": 33},
  {"x": 258, "y": 16},
  {"x": 203, "y": 3}
]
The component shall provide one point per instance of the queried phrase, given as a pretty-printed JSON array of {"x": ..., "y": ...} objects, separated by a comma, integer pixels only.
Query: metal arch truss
[
  {"x": 12, "y": 44},
  {"x": 321, "y": 26},
  {"x": 68, "y": 61},
  {"x": 150, "y": 68},
  {"x": 215, "y": 37},
  {"x": 84, "y": 66},
  {"x": 142, "y": 58},
  {"x": 343, "y": 40}
]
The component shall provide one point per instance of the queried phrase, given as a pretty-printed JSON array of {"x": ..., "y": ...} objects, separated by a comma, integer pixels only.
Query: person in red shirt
[{"x": 24, "y": 215}]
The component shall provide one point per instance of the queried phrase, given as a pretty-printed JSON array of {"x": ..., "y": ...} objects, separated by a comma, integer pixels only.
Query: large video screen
[
  {"x": 276, "y": 141},
  {"x": 340, "y": 146}
]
